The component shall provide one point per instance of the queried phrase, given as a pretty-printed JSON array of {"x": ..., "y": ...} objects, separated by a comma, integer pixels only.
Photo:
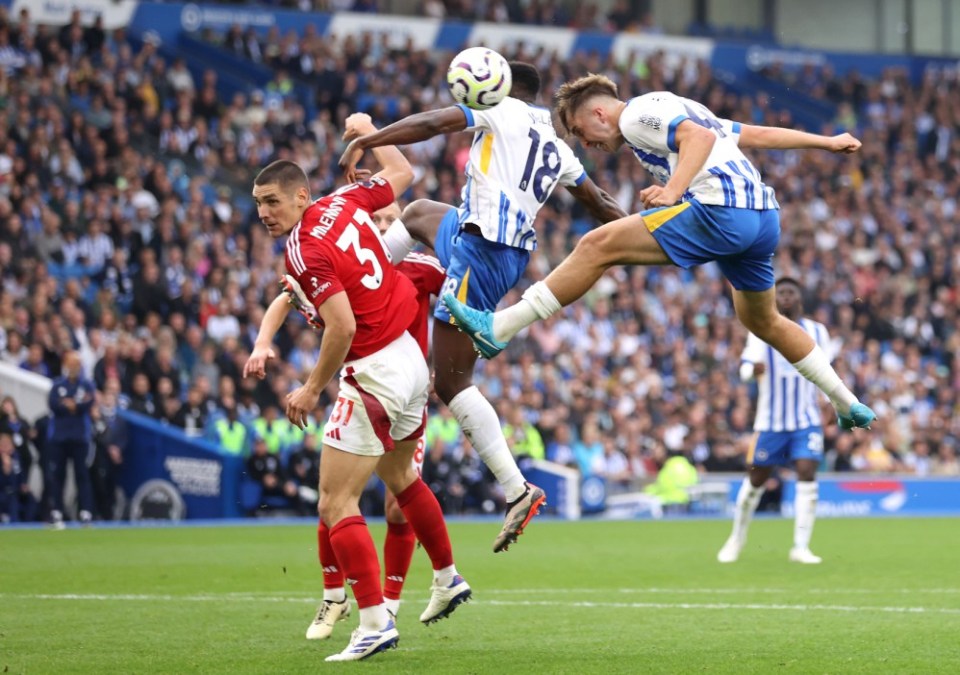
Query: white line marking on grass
[
  {"x": 752, "y": 606},
  {"x": 723, "y": 606}
]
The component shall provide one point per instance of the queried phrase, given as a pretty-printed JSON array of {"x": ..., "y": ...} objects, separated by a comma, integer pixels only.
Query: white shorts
[{"x": 382, "y": 399}]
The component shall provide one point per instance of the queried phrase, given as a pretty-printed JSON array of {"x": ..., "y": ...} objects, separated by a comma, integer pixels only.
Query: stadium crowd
[{"x": 126, "y": 234}]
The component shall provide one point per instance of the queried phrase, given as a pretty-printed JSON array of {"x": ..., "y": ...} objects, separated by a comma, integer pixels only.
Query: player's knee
[
  {"x": 761, "y": 324},
  {"x": 414, "y": 219},
  {"x": 596, "y": 246},
  {"x": 394, "y": 513}
]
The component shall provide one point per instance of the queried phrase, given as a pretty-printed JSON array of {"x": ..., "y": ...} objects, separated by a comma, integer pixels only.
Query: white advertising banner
[
  {"x": 507, "y": 37},
  {"x": 674, "y": 48},
  {"x": 422, "y": 33},
  {"x": 116, "y": 13}
]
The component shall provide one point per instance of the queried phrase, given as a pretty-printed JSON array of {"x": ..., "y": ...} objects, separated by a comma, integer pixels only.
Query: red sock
[
  {"x": 332, "y": 574},
  {"x": 397, "y": 553},
  {"x": 422, "y": 510},
  {"x": 354, "y": 548}
]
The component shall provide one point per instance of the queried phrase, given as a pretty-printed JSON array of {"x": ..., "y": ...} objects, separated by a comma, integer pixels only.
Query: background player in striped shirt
[
  {"x": 788, "y": 430},
  {"x": 516, "y": 161},
  {"x": 710, "y": 204}
]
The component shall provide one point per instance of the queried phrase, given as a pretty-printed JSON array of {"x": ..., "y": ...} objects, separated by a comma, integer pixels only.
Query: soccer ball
[{"x": 479, "y": 78}]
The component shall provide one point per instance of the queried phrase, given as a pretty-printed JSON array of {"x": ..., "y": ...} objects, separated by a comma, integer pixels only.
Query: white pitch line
[{"x": 752, "y": 606}]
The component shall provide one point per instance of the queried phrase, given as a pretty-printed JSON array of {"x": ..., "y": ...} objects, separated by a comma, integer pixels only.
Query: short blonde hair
[{"x": 572, "y": 95}]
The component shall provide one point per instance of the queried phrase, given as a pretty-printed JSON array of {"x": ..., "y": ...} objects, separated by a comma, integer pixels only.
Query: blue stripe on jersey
[
  {"x": 797, "y": 389},
  {"x": 752, "y": 172},
  {"x": 525, "y": 238},
  {"x": 521, "y": 221},
  {"x": 504, "y": 210},
  {"x": 468, "y": 113},
  {"x": 582, "y": 177},
  {"x": 747, "y": 184},
  {"x": 724, "y": 183},
  {"x": 783, "y": 401},
  {"x": 736, "y": 127},
  {"x": 651, "y": 158},
  {"x": 672, "y": 131},
  {"x": 466, "y": 194},
  {"x": 773, "y": 389},
  {"x": 765, "y": 200}
]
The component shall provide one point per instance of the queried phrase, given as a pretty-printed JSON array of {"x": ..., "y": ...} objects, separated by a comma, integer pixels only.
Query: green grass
[{"x": 597, "y": 597}]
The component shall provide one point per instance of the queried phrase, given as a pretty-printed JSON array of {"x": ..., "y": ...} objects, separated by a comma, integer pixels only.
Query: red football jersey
[
  {"x": 336, "y": 247},
  {"x": 427, "y": 276}
]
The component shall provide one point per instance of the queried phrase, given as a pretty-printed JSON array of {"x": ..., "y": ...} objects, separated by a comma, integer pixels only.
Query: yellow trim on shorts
[
  {"x": 462, "y": 292},
  {"x": 486, "y": 151},
  {"x": 752, "y": 449},
  {"x": 658, "y": 218}
]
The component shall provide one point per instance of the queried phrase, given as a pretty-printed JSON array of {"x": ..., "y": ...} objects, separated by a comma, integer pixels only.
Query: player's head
[
  {"x": 789, "y": 297},
  {"x": 384, "y": 218},
  {"x": 526, "y": 81},
  {"x": 282, "y": 193},
  {"x": 589, "y": 108}
]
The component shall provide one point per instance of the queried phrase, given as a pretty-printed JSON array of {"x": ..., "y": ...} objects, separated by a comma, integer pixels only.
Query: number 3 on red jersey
[{"x": 350, "y": 239}]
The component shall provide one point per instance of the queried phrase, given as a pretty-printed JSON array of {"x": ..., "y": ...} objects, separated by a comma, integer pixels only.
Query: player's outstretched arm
[
  {"x": 598, "y": 202},
  {"x": 412, "y": 129},
  {"x": 341, "y": 326},
  {"x": 779, "y": 138},
  {"x": 395, "y": 169},
  {"x": 262, "y": 352}
]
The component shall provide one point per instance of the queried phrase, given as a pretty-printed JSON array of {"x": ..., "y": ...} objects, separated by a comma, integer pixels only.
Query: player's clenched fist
[{"x": 844, "y": 144}]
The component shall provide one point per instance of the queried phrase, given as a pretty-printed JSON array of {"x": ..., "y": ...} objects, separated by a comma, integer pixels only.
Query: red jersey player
[
  {"x": 427, "y": 276},
  {"x": 340, "y": 275}
]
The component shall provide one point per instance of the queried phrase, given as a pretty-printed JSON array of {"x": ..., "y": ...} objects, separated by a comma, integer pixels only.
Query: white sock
[
  {"x": 445, "y": 576},
  {"x": 805, "y": 508},
  {"x": 393, "y": 606},
  {"x": 398, "y": 241},
  {"x": 538, "y": 303},
  {"x": 374, "y": 618},
  {"x": 747, "y": 500},
  {"x": 481, "y": 425},
  {"x": 816, "y": 367},
  {"x": 335, "y": 594}
]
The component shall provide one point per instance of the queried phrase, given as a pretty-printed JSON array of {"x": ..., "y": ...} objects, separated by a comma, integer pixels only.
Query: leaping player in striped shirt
[
  {"x": 710, "y": 205},
  {"x": 788, "y": 429},
  {"x": 516, "y": 162}
]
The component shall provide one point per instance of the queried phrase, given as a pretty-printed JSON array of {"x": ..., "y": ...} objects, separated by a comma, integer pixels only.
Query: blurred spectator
[
  {"x": 23, "y": 436},
  {"x": 266, "y": 468},
  {"x": 71, "y": 398}
]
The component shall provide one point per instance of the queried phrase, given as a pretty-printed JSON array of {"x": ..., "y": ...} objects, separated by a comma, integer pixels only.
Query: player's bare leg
[
  {"x": 342, "y": 478},
  {"x": 419, "y": 221},
  {"x": 622, "y": 242},
  {"x": 757, "y": 311},
  {"x": 422, "y": 219},
  {"x": 453, "y": 361},
  {"x": 421, "y": 508}
]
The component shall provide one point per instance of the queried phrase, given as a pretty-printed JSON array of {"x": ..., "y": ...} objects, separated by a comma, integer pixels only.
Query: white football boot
[
  {"x": 805, "y": 556},
  {"x": 730, "y": 552},
  {"x": 445, "y": 599},
  {"x": 328, "y": 614},
  {"x": 364, "y": 643}
]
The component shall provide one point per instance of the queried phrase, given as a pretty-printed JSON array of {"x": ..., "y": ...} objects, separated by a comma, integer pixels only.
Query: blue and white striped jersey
[
  {"x": 786, "y": 400},
  {"x": 649, "y": 126},
  {"x": 516, "y": 161}
]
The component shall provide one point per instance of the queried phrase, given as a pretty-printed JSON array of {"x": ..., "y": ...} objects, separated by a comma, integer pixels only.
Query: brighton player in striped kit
[
  {"x": 516, "y": 162},
  {"x": 710, "y": 204},
  {"x": 788, "y": 429}
]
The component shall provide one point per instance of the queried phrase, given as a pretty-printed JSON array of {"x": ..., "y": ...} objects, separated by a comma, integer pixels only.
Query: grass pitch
[{"x": 586, "y": 597}]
